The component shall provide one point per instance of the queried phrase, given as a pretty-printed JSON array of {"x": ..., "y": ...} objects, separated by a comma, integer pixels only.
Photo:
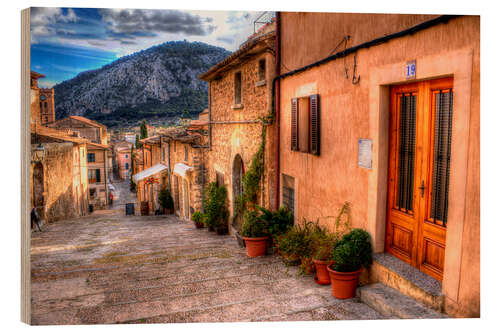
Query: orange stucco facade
[{"x": 352, "y": 111}]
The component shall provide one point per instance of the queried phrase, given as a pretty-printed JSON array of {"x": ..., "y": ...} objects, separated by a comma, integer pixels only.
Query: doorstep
[{"x": 407, "y": 280}]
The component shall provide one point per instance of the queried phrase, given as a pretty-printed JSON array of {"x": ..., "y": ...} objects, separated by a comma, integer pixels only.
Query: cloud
[{"x": 134, "y": 21}]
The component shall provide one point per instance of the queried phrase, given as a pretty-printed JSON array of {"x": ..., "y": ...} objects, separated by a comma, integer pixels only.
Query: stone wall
[
  {"x": 60, "y": 201},
  {"x": 237, "y": 131}
]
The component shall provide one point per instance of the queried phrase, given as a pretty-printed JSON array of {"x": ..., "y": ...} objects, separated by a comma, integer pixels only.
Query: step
[
  {"x": 392, "y": 303},
  {"x": 407, "y": 280}
]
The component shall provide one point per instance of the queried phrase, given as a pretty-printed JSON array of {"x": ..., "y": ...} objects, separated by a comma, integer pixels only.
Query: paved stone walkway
[{"x": 112, "y": 268}]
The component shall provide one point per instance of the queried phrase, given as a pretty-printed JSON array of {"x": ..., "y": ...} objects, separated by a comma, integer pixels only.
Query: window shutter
[
  {"x": 315, "y": 124},
  {"x": 294, "y": 126}
]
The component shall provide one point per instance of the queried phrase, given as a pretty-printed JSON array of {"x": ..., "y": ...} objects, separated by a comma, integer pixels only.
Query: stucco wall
[{"x": 350, "y": 112}]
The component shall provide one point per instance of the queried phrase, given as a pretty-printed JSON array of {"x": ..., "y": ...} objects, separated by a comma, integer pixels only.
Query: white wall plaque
[
  {"x": 411, "y": 69},
  {"x": 365, "y": 153}
]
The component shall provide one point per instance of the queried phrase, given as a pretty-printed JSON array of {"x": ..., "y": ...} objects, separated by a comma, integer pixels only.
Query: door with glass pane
[{"x": 419, "y": 170}]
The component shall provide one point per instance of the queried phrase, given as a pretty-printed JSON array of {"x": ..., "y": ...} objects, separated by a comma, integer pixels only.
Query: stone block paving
[{"x": 112, "y": 268}]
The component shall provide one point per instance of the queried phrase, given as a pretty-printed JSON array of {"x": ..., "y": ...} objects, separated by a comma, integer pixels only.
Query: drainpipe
[{"x": 277, "y": 109}]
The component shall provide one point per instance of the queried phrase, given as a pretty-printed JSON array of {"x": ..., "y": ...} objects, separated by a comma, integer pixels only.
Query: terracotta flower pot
[
  {"x": 199, "y": 225},
  {"x": 344, "y": 284},
  {"x": 256, "y": 246},
  {"x": 322, "y": 276}
]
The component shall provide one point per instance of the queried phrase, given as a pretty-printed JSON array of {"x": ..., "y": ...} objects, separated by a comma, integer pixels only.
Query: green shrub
[
  {"x": 296, "y": 242},
  {"x": 198, "y": 217},
  {"x": 279, "y": 222},
  {"x": 165, "y": 198},
  {"x": 215, "y": 205},
  {"x": 253, "y": 225},
  {"x": 352, "y": 252}
]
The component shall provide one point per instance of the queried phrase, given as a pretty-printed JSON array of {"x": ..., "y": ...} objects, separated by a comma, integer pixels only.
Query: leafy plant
[
  {"x": 198, "y": 218},
  {"x": 165, "y": 198},
  {"x": 253, "y": 225},
  {"x": 352, "y": 252},
  {"x": 215, "y": 205},
  {"x": 279, "y": 222},
  {"x": 296, "y": 242}
]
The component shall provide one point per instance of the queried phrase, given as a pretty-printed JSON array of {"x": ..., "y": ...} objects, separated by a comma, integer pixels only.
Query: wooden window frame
[{"x": 314, "y": 125}]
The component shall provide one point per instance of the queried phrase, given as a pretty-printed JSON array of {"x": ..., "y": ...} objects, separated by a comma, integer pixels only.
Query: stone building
[
  {"x": 240, "y": 95},
  {"x": 173, "y": 159},
  {"x": 98, "y": 155},
  {"x": 122, "y": 158},
  {"x": 382, "y": 111},
  {"x": 58, "y": 178},
  {"x": 98, "y": 175},
  {"x": 47, "y": 105},
  {"x": 43, "y": 109},
  {"x": 89, "y": 129},
  {"x": 59, "y": 187}
]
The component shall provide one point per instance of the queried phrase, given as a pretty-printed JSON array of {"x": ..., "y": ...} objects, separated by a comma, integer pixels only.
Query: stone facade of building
[
  {"x": 58, "y": 182},
  {"x": 240, "y": 94}
]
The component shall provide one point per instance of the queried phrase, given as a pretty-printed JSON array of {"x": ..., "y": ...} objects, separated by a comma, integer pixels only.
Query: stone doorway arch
[{"x": 237, "y": 188}]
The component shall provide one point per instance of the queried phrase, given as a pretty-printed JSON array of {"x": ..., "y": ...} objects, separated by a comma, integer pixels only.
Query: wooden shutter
[
  {"x": 294, "y": 126},
  {"x": 315, "y": 124}
]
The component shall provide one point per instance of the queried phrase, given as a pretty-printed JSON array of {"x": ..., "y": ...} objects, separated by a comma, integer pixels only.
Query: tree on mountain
[{"x": 144, "y": 130}]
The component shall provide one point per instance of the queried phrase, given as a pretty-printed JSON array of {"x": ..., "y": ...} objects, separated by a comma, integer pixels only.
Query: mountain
[{"x": 158, "y": 83}]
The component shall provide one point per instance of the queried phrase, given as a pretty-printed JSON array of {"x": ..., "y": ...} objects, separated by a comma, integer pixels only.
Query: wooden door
[{"x": 419, "y": 169}]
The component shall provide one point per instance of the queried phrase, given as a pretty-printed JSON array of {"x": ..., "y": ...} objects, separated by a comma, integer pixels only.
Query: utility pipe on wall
[{"x": 277, "y": 109}]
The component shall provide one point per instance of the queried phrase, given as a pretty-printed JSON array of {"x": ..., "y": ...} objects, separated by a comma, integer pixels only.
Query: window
[
  {"x": 91, "y": 157},
  {"x": 262, "y": 69},
  {"x": 92, "y": 192},
  {"x": 186, "y": 153},
  {"x": 126, "y": 166},
  {"x": 237, "y": 88},
  {"x": 126, "y": 155},
  {"x": 94, "y": 175},
  {"x": 305, "y": 125},
  {"x": 288, "y": 192}
]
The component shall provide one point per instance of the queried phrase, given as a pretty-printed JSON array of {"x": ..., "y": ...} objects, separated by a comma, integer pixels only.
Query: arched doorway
[
  {"x": 38, "y": 188},
  {"x": 238, "y": 170}
]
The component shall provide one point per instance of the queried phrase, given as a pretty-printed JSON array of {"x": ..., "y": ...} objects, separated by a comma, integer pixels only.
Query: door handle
[{"x": 422, "y": 189}]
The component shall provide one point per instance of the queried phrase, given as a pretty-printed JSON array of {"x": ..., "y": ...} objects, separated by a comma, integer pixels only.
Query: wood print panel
[
  {"x": 401, "y": 240},
  {"x": 433, "y": 255}
]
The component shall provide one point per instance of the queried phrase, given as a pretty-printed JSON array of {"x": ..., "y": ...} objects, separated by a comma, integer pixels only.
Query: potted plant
[
  {"x": 278, "y": 222},
  {"x": 294, "y": 247},
  {"x": 255, "y": 234},
  {"x": 215, "y": 206},
  {"x": 350, "y": 255},
  {"x": 166, "y": 201},
  {"x": 198, "y": 218},
  {"x": 322, "y": 244}
]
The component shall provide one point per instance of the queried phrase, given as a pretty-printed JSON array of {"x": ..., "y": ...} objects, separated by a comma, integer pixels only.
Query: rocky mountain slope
[{"x": 157, "y": 83}]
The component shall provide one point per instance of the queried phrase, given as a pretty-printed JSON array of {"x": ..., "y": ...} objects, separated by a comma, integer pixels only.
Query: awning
[
  {"x": 181, "y": 169},
  {"x": 149, "y": 172}
]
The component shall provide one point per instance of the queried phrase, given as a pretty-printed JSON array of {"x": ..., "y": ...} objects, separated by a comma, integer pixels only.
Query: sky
[{"x": 67, "y": 41}]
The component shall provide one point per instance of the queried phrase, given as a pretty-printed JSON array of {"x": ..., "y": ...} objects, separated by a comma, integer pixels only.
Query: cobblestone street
[{"x": 112, "y": 268}]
